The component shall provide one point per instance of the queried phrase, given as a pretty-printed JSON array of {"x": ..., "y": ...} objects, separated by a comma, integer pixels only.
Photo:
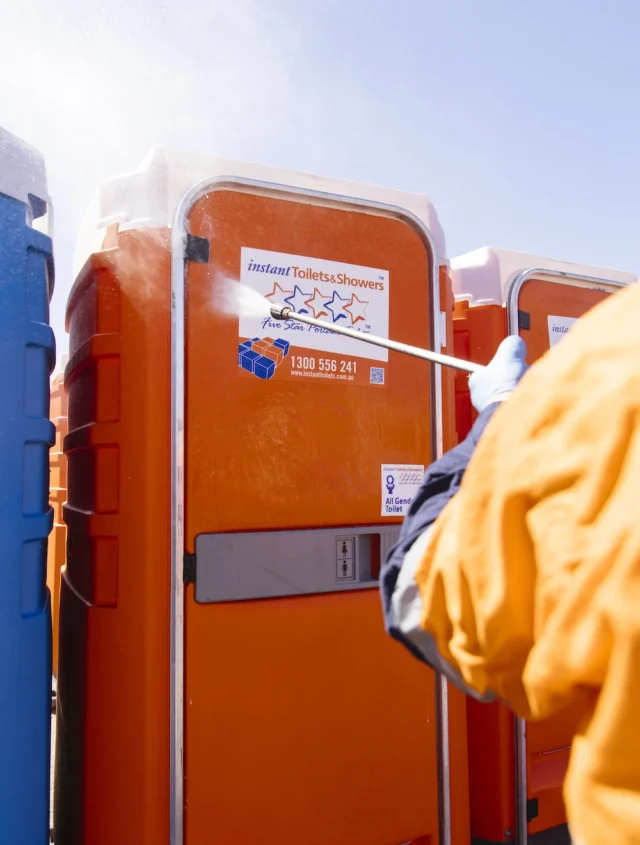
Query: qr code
[{"x": 377, "y": 375}]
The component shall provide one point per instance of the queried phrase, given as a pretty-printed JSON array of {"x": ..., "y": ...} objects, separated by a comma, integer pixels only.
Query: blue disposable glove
[{"x": 501, "y": 375}]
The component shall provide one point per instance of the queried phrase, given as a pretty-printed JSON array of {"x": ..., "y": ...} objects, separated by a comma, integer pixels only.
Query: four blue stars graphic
[{"x": 340, "y": 307}]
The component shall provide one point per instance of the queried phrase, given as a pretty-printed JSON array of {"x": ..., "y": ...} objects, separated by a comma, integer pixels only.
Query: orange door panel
[
  {"x": 303, "y": 721},
  {"x": 548, "y": 742},
  {"x": 492, "y": 748},
  {"x": 540, "y": 299}
]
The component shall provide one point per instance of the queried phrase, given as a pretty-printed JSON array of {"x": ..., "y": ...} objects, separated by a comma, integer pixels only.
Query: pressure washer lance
[{"x": 283, "y": 312}]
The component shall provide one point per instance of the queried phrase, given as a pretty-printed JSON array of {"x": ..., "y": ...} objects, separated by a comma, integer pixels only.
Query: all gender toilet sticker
[
  {"x": 341, "y": 294},
  {"x": 558, "y": 327},
  {"x": 400, "y": 483}
]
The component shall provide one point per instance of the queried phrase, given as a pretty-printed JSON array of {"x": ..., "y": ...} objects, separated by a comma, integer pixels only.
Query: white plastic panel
[
  {"x": 23, "y": 176},
  {"x": 150, "y": 195},
  {"x": 484, "y": 276}
]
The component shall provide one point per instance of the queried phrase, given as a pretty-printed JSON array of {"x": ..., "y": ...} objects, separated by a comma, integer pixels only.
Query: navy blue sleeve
[{"x": 441, "y": 482}]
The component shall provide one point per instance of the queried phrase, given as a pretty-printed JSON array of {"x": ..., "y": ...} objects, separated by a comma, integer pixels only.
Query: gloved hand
[{"x": 501, "y": 375}]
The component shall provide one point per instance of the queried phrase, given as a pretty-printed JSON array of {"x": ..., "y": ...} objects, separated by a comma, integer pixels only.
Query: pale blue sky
[{"x": 520, "y": 119}]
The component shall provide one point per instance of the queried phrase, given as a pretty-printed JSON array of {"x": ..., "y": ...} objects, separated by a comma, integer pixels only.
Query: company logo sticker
[
  {"x": 337, "y": 293},
  {"x": 341, "y": 294},
  {"x": 558, "y": 328}
]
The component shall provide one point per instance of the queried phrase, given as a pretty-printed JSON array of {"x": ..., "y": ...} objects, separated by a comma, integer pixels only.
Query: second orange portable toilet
[
  {"x": 224, "y": 675},
  {"x": 516, "y": 768}
]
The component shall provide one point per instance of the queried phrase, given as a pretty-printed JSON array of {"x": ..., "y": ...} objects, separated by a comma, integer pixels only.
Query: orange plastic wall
[
  {"x": 491, "y": 743},
  {"x": 57, "y": 548},
  {"x": 112, "y": 758},
  {"x": 477, "y": 332},
  {"x": 265, "y": 681}
]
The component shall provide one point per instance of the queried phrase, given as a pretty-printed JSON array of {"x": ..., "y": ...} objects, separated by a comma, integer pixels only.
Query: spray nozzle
[{"x": 280, "y": 312}]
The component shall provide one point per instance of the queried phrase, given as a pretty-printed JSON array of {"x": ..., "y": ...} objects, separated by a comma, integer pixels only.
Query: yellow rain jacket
[{"x": 530, "y": 581}]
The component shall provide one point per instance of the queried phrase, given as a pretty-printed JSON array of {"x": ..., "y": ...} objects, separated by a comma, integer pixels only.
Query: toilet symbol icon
[{"x": 391, "y": 483}]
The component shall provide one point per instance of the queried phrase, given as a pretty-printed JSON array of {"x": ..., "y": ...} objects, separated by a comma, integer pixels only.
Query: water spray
[{"x": 284, "y": 312}]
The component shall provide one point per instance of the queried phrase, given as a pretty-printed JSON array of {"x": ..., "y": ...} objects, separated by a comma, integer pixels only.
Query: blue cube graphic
[
  {"x": 247, "y": 359},
  {"x": 264, "y": 367},
  {"x": 245, "y": 345},
  {"x": 282, "y": 344}
]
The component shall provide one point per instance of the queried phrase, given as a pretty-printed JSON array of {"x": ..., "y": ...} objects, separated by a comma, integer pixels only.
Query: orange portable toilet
[
  {"x": 224, "y": 676},
  {"x": 57, "y": 548},
  {"x": 516, "y": 768}
]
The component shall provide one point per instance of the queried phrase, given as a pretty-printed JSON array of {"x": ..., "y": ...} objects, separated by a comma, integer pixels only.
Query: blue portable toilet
[{"x": 27, "y": 355}]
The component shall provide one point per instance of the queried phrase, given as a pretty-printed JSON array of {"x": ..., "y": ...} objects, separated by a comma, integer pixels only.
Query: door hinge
[
  {"x": 524, "y": 320},
  {"x": 189, "y": 568},
  {"x": 196, "y": 249},
  {"x": 532, "y": 809}
]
